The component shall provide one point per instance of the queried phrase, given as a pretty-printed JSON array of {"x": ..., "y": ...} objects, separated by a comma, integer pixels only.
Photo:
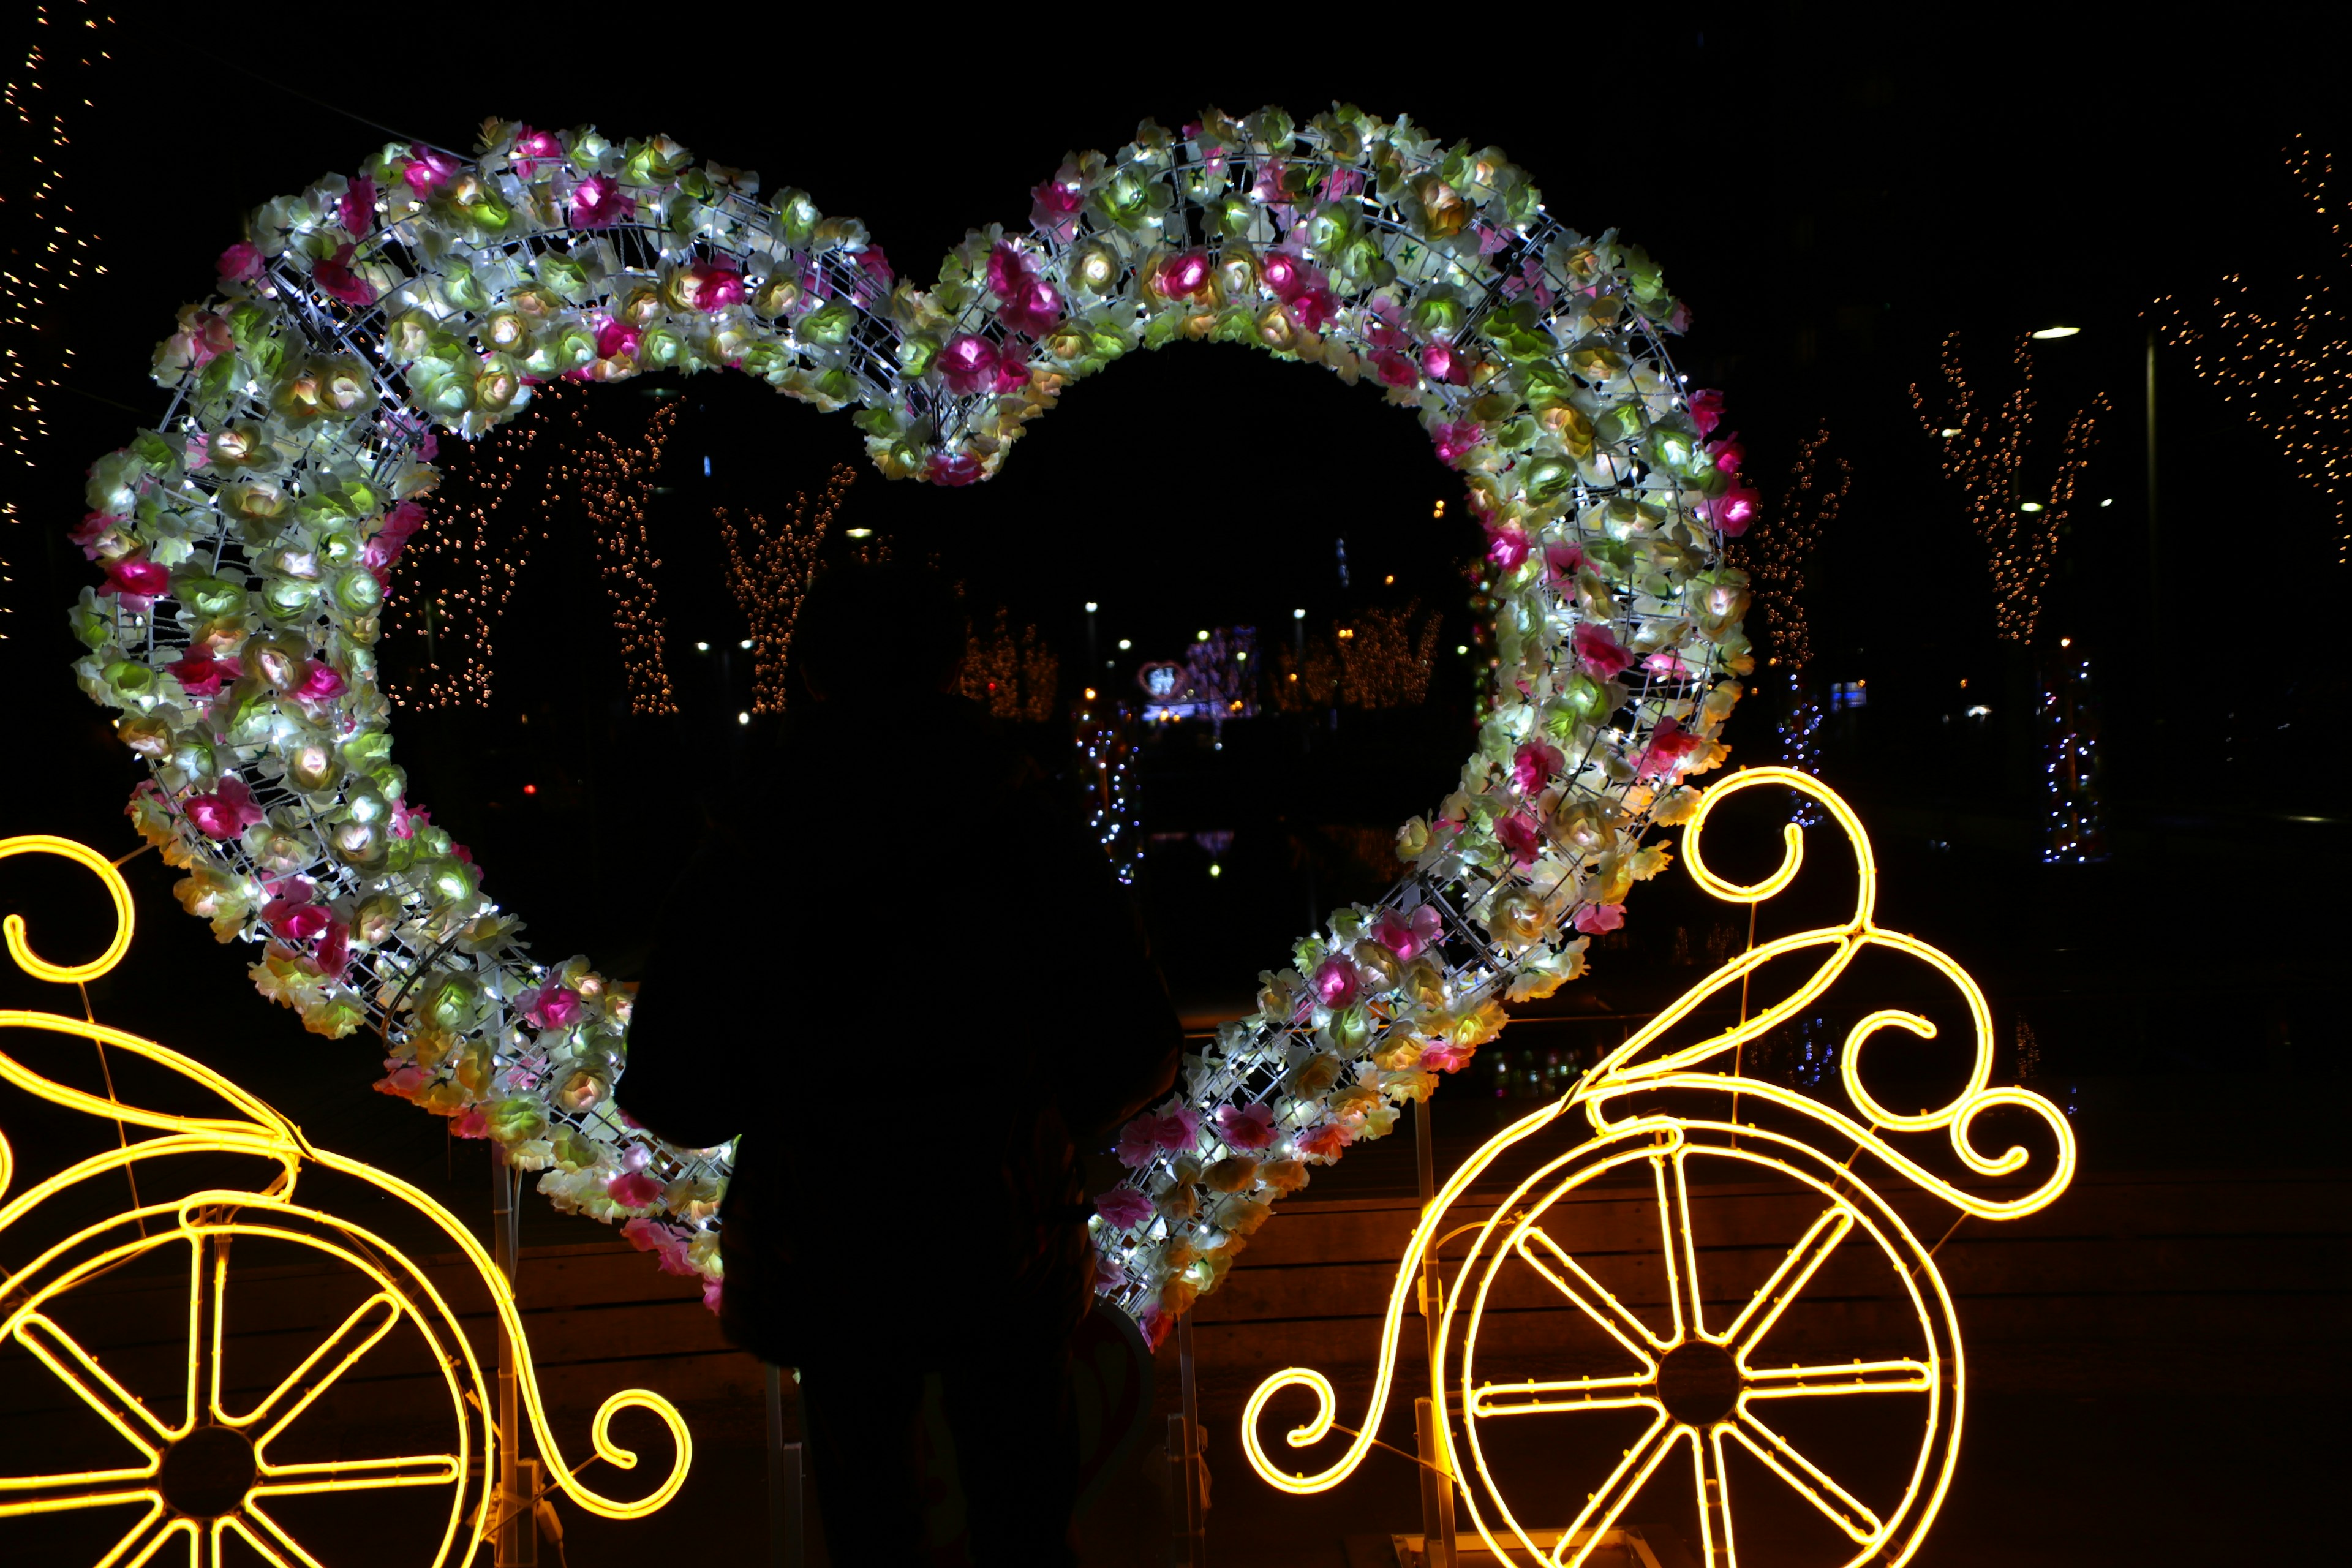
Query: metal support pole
[
  {"x": 787, "y": 1534},
  {"x": 1196, "y": 1499},
  {"x": 1431, "y": 1427},
  {"x": 517, "y": 1545},
  {"x": 2155, "y": 540}
]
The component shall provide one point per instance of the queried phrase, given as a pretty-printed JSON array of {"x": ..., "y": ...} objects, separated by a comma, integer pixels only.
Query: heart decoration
[{"x": 248, "y": 540}]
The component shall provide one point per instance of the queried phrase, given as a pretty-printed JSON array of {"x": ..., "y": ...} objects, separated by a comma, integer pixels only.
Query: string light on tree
[
  {"x": 456, "y": 583},
  {"x": 53, "y": 245},
  {"x": 769, "y": 575},
  {"x": 1987, "y": 450},
  {"x": 615, "y": 482},
  {"x": 1776, "y": 570},
  {"x": 2077, "y": 828},
  {"x": 1012, "y": 677},
  {"x": 1106, "y": 740},
  {"x": 2291, "y": 373}
]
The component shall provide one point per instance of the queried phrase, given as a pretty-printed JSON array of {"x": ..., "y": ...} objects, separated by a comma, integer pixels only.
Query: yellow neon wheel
[
  {"x": 1683, "y": 1394},
  {"x": 215, "y": 1450}
]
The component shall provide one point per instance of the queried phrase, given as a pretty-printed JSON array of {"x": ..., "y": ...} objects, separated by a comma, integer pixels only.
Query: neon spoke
[
  {"x": 1541, "y": 1397},
  {"x": 208, "y": 1272},
  {"x": 1839, "y": 1506},
  {"x": 1856, "y": 1377},
  {"x": 1714, "y": 1493},
  {"x": 369, "y": 1323},
  {"x": 79, "y": 1370},
  {"x": 59, "y": 1494},
  {"x": 1795, "y": 1272},
  {"x": 1591, "y": 1298},
  {"x": 143, "y": 1540},
  {"x": 360, "y": 1474},
  {"x": 1681, "y": 1246},
  {"x": 1602, "y": 1509},
  {"x": 281, "y": 1549}
]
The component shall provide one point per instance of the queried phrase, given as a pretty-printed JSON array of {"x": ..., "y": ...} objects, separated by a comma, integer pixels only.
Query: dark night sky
[{"x": 1832, "y": 196}]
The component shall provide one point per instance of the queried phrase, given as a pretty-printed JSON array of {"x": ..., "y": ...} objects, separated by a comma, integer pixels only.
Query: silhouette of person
[{"x": 905, "y": 977}]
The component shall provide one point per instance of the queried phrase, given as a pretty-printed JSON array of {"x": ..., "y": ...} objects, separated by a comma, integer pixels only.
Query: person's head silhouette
[{"x": 871, "y": 635}]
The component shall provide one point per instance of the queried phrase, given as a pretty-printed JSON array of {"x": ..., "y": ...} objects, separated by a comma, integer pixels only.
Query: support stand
[
  {"x": 1188, "y": 1545},
  {"x": 787, "y": 1533},
  {"x": 513, "y": 1505},
  {"x": 1431, "y": 1426}
]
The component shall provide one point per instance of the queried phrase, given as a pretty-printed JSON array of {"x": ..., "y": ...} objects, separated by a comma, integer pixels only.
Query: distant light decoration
[
  {"x": 48, "y": 90},
  {"x": 245, "y": 546},
  {"x": 1775, "y": 563},
  {"x": 614, "y": 483},
  {"x": 1105, "y": 739},
  {"x": 233, "y": 1476},
  {"x": 770, "y": 575},
  {"x": 2288, "y": 371},
  {"x": 462, "y": 579},
  {"x": 1988, "y": 450},
  {"x": 1212, "y": 681},
  {"x": 1705, "y": 1379},
  {"x": 1012, "y": 676},
  {"x": 2077, "y": 830}
]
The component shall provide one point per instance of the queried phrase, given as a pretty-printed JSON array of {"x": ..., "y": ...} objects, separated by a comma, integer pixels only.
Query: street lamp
[{"x": 2048, "y": 333}]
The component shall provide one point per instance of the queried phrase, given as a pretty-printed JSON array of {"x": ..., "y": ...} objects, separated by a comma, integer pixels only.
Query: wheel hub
[
  {"x": 1698, "y": 1383},
  {"x": 207, "y": 1473}
]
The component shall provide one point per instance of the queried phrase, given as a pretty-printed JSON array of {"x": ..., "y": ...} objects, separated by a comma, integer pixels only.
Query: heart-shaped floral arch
[{"x": 248, "y": 543}]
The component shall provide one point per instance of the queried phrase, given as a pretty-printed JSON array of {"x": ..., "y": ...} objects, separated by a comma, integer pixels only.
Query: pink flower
[
  {"x": 530, "y": 147},
  {"x": 224, "y": 814},
  {"x": 1012, "y": 367},
  {"x": 968, "y": 365},
  {"x": 1565, "y": 560},
  {"x": 599, "y": 203},
  {"x": 1334, "y": 982},
  {"x": 1139, "y": 1141},
  {"x": 613, "y": 340},
  {"x": 1054, "y": 205},
  {"x": 1179, "y": 1127},
  {"x": 554, "y": 1008},
  {"x": 1592, "y": 920},
  {"x": 391, "y": 538},
  {"x": 137, "y": 581},
  {"x": 474, "y": 1122},
  {"x": 1008, "y": 270},
  {"x": 240, "y": 263},
  {"x": 1672, "y": 749},
  {"x": 1444, "y": 1058},
  {"x": 961, "y": 468},
  {"x": 1325, "y": 1141},
  {"x": 1707, "y": 411},
  {"x": 1245, "y": 1126},
  {"x": 1124, "y": 1207},
  {"x": 877, "y": 275},
  {"x": 1034, "y": 309},
  {"x": 1286, "y": 275},
  {"x": 1110, "y": 1274},
  {"x": 428, "y": 170},
  {"x": 1184, "y": 275},
  {"x": 1536, "y": 765},
  {"x": 1732, "y": 511},
  {"x": 1313, "y": 309},
  {"x": 1727, "y": 454},
  {"x": 336, "y": 280},
  {"x": 355, "y": 208},
  {"x": 201, "y": 674},
  {"x": 1678, "y": 319},
  {"x": 320, "y": 683},
  {"x": 290, "y": 911},
  {"x": 1405, "y": 936},
  {"x": 712, "y": 1289},
  {"x": 1442, "y": 363},
  {"x": 94, "y": 526},
  {"x": 714, "y": 285},
  {"x": 1507, "y": 546},
  {"x": 404, "y": 1080},
  {"x": 1600, "y": 652},
  {"x": 1393, "y": 369},
  {"x": 1519, "y": 834},
  {"x": 633, "y": 1190},
  {"x": 666, "y": 1242},
  {"x": 334, "y": 952},
  {"x": 1457, "y": 441}
]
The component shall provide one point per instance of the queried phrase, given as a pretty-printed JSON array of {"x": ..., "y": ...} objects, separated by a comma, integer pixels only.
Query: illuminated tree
[
  {"x": 769, "y": 575},
  {"x": 1987, "y": 448},
  {"x": 2291, "y": 374}
]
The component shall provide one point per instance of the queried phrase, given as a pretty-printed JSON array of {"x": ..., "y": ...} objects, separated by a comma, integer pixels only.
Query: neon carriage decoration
[
  {"x": 247, "y": 543},
  {"x": 1702, "y": 1378},
  {"x": 207, "y": 1473}
]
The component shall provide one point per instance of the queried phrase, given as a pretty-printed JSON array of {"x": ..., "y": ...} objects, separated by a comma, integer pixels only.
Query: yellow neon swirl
[{"x": 13, "y": 927}]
